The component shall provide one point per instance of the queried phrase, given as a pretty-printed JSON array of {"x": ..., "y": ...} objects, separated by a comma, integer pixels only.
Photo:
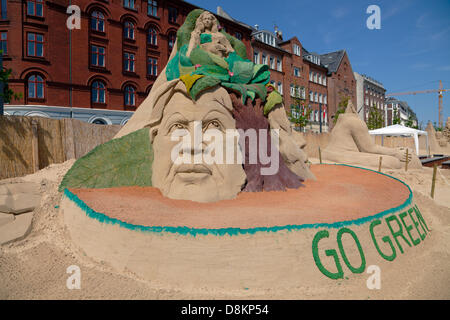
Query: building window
[
  {"x": 4, "y": 43},
  {"x": 325, "y": 99},
  {"x": 152, "y": 36},
  {"x": 130, "y": 96},
  {"x": 128, "y": 30},
  {"x": 324, "y": 80},
  {"x": 280, "y": 87},
  {"x": 152, "y": 8},
  {"x": 256, "y": 57},
  {"x": 311, "y": 96},
  {"x": 97, "y": 56},
  {"x": 279, "y": 66},
  {"x": 172, "y": 37},
  {"x": 35, "y": 45},
  {"x": 128, "y": 4},
  {"x": 272, "y": 63},
  {"x": 129, "y": 61},
  {"x": 98, "y": 92},
  {"x": 4, "y": 10},
  {"x": 296, "y": 72},
  {"x": 296, "y": 49},
  {"x": 316, "y": 97},
  {"x": 98, "y": 21},
  {"x": 320, "y": 79},
  {"x": 238, "y": 35},
  {"x": 152, "y": 67},
  {"x": 35, "y": 8},
  {"x": 264, "y": 59},
  {"x": 35, "y": 87},
  {"x": 310, "y": 76},
  {"x": 315, "y": 77},
  {"x": 173, "y": 15},
  {"x": 320, "y": 98}
]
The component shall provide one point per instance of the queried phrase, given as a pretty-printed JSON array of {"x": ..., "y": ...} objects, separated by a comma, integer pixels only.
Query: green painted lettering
[
  {"x": 409, "y": 227},
  {"x": 398, "y": 233},
  {"x": 329, "y": 253},
  {"x": 421, "y": 219},
  {"x": 362, "y": 267},
  {"x": 385, "y": 239},
  {"x": 416, "y": 224}
]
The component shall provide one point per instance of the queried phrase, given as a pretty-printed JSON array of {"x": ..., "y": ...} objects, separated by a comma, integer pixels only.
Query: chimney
[{"x": 256, "y": 27}]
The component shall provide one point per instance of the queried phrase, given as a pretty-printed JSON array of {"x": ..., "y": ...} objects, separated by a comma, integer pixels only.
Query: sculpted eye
[
  {"x": 177, "y": 126},
  {"x": 214, "y": 124}
]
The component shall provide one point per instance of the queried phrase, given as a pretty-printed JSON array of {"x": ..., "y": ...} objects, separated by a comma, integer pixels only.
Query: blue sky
[{"x": 410, "y": 52}]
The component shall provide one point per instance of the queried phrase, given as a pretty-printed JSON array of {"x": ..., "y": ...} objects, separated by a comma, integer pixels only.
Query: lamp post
[{"x": 320, "y": 117}]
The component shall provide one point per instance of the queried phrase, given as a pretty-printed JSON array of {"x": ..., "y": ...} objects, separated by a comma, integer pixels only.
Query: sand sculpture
[
  {"x": 437, "y": 140},
  {"x": 209, "y": 79},
  {"x": 350, "y": 142},
  {"x": 126, "y": 203}
]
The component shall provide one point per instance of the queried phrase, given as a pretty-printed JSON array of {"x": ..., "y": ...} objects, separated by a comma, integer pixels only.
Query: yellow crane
[{"x": 440, "y": 91}]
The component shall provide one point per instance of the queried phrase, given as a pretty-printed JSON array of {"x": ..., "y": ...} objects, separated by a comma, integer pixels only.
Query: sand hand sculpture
[
  {"x": 351, "y": 143},
  {"x": 208, "y": 95}
]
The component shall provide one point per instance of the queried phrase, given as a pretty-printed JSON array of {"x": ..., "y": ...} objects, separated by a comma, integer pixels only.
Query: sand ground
[{"x": 35, "y": 268}]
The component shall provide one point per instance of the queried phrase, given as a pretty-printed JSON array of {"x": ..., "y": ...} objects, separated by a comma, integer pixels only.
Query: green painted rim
[{"x": 101, "y": 217}]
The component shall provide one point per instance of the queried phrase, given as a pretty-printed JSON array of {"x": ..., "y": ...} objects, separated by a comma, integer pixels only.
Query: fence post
[
  {"x": 406, "y": 162},
  {"x": 320, "y": 156},
  {"x": 379, "y": 165},
  {"x": 35, "y": 145},
  {"x": 433, "y": 181}
]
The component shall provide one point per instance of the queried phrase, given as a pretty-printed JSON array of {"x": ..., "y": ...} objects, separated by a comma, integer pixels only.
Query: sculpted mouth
[{"x": 193, "y": 168}]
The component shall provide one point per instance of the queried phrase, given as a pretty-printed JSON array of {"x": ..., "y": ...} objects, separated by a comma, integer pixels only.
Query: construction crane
[{"x": 439, "y": 91}]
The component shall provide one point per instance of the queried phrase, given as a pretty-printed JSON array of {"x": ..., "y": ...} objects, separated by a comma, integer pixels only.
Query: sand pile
[{"x": 35, "y": 268}]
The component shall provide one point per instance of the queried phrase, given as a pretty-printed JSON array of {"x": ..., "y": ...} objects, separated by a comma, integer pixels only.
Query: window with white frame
[
  {"x": 316, "y": 97},
  {"x": 256, "y": 57},
  {"x": 311, "y": 96},
  {"x": 279, "y": 65},
  {"x": 315, "y": 77},
  {"x": 129, "y": 4},
  {"x": 324, "y": 80},
  {"x": 280, "y": 87},
  {"x": 272, "y": 63},
  {"x": 325, "y": 99},
  {"x": 320, "y": 98},
  {"x": 296, "y": 72},
  {"x": 264, "y": 59},
  {"x": 310, "y": 76},
  {"x": 296, "y": 49}
]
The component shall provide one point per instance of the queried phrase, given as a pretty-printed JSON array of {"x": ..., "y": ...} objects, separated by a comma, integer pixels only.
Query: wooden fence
[{"x": 28, "y": 144}]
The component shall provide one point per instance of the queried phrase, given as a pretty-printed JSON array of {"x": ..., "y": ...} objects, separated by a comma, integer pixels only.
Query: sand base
[{"x": 239, "y": 243}]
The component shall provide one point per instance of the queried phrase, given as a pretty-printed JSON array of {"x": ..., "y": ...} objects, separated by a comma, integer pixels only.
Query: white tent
[{"x": 399, "y": 130}]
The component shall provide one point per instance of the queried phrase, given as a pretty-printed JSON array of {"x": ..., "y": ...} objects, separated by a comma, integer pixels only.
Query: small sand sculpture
[{"x": 351, "y": 143}]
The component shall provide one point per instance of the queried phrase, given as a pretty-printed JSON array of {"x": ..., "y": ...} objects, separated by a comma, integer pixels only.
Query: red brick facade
[
  {"x": 341, "y": 83},
  {"x": 67, "y": 68}
]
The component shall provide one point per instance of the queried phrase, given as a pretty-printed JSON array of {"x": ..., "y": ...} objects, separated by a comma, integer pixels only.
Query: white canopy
[{"x": 399, "y": 130}]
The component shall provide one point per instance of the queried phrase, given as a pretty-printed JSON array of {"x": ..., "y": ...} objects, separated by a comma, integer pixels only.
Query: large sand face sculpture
[
  {"x": 351, "y": 143},
  {"x": 203, "y": 182},
  {"x": 206, "y": 69}
]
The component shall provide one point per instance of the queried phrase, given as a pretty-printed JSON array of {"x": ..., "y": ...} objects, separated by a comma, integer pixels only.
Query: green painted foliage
[{"x": 126, "y": 161}]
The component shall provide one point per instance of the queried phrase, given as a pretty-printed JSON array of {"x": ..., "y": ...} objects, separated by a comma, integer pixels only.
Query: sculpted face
[
  {"x": 203, "y": 181},
  {"x": 208, "y": 20}
]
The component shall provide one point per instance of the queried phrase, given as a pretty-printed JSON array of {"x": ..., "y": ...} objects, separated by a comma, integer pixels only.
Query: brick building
[
  {"x": 370, "y": 93},
  {"x": 341, "y": 82},
  {"x": 101, "y": 72}
]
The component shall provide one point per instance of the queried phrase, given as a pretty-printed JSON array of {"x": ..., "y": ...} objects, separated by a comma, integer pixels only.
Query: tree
[
  {"x": 375, "y": 119},
  {"x": 410, "y": 122},
  {"x": 300, "y": 113},
  {"x": 341, "y": 107},
  {"x": 396, "y": 119}
]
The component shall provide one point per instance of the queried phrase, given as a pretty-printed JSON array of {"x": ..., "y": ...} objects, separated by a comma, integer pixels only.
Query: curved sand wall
[{"x": 261, "y": 258}]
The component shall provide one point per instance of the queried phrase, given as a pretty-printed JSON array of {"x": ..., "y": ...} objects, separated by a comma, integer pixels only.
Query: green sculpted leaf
[
  {"x": 242, "y": 71},
  {"x": 201, "y": 57},
  {"x": 238, "y": 88},
  {"x": 218, "y": 60},
  {"x": 126, "y": 161},
  {"x": 273, "y": 99},
  {"x": 259, "y": 89},
  {"x": 213, "y": 71},
  {"x": 261, "y": 74},
  {"x": 203, "y": 84}
]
